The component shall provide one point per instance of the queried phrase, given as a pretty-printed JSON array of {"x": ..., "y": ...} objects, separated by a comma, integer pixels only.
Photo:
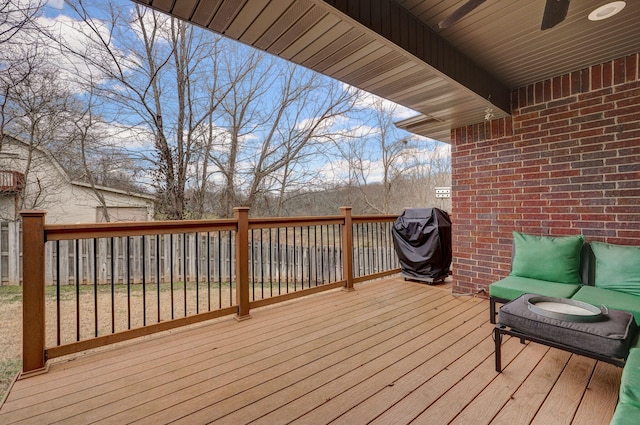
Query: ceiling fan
[{"x": 555, "y": 11}]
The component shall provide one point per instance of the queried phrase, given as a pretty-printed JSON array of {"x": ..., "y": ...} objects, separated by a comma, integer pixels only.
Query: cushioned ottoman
[{"x": 607, "y": 339}]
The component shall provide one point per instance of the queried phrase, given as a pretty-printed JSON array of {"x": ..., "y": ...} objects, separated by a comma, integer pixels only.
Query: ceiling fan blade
[
  {"x": 460, "y": 13},
  {"x": 555, "y": 11}
]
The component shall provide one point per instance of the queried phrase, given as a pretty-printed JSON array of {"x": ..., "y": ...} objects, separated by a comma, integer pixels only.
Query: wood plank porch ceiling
[
  {"x": 390, "y": 352},
  {"x": 394, "y": 48}
]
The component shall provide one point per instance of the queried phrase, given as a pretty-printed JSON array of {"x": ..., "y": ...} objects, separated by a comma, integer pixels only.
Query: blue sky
[{"x": 59, "y": 17}]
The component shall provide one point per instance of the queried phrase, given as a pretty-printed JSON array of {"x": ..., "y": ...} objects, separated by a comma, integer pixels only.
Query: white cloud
[
  {"x": 333, "y": 172},
  {"x": 130, "y": 138},
  {"x": 75, "y": 36}
]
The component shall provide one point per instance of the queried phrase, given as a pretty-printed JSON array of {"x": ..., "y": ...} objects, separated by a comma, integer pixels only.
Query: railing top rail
[
  {"x": 136, "y": 228},
  {"x": 271, "y": 222},
  {"x": 55, "y": 232},
  {"x": 366, "y": 218}
]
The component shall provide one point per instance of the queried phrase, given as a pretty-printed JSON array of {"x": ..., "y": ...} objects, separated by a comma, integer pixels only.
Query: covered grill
[{"x": 422, "y": 239}]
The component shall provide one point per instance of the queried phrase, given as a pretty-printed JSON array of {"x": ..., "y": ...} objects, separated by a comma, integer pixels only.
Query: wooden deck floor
[{"x": 391, "y": 352}]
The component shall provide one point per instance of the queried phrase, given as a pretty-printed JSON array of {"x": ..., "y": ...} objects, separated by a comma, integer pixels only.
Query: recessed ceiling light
[{"x": 607, "y": 10}]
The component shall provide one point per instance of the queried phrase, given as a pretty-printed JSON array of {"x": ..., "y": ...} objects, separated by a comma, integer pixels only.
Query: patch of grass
[
  {"x": 10, "y": 294},
  {"x": 9, "y": 368}
]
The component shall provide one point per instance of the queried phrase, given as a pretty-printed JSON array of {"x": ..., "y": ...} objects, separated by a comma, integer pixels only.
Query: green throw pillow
[
  {"x": 554, "y": 259},
  {"x": 617, "y": 267}
]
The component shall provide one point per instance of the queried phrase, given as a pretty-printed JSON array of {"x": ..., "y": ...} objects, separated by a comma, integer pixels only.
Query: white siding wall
[{"x": 48, "y": 188}]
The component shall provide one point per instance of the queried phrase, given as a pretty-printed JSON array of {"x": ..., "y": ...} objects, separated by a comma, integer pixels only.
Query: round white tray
[{"x": 566, "y": 309}]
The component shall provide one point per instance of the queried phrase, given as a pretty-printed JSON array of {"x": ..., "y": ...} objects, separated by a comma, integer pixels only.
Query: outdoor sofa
[{"x": 596, "y": 273}]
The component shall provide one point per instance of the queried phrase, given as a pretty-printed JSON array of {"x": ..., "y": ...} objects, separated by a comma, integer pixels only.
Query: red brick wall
[{"x": 566, "y": 162}]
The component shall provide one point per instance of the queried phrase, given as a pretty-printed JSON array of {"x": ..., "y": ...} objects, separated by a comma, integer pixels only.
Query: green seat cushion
[
  {"x": 511, "y": 287},
  {"x": 617, "y": 267},
  {"x": 549, "y": 258},
  {"x": 630, "y": 382},
  {"x": 625, "y": 414},
  {"x": 612, "y": 299}
]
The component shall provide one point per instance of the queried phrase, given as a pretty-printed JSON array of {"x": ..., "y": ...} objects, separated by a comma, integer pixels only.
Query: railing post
[
  {"x": 33, "y": 302},
  {"x": 242, "y": 262},
  {"x": 347, "y": 249}
]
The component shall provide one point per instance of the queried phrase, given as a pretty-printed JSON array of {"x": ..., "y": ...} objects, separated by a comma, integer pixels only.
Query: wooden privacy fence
[
  {"x": 157, "y": 257},
  {"x": 86, "y": 286}
]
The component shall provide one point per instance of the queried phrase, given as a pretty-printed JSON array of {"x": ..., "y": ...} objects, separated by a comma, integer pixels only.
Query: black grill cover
[{"x": 422, "y": 238}]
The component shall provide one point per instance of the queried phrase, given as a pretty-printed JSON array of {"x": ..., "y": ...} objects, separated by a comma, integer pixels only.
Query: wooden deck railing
[{"x": 195, "y": 270}]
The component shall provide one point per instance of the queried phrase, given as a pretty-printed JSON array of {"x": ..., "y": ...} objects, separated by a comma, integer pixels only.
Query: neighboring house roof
[
  {"x": 47, "y": 186},
  {"x": 113, "y": 190},
  {"x": 54, "y": 162}
]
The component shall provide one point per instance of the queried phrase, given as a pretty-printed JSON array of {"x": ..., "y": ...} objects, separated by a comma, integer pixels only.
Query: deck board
[
  {"x": 523, "y": 405},
  {"x": 391, "y": 352}
]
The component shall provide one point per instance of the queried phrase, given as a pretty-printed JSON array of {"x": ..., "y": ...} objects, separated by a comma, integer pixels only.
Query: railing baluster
[
  {"x": 208, "y": 271},
  {"x": 58, "y": 292},
  {"x": 170, "y": 253},
  {"x": 309, "y": 253},
  {"x": 321, "y": 255},
  {"x": 335, "y": 255},
  {"x": 347, "y": 248},
  {"x": 158, "y": 275},
  {"x": 231, "y": 269},
  {"x": 295, "y": 264},
  {"x": 77, "y": 283},
  {"x": 197, "y": 252},
  {"x": 371, "y": 255},
  {"x": 184, "y": 271},
  {"x": 358, "y": 246},
  {"x": 219, "y": 270},
  {"x": 144, "y": 281},
  {"x": 286, "y": 258},
  {"x": 261, "y": 264},
  {"x": 279, "y": 264},
  {"x": 95, "y": 286},
  {"x": 270, "y": 262},
  {"x": 252, "y": 261},
  {"x": 113, "y": 289},
  {"x": 341, "y": 254},
  {"x": 128, "y": 242},
  {"x": 315, "y": 254}
]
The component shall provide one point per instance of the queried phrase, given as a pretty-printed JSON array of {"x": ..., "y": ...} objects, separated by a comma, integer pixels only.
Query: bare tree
[
  {"x": 36, "y": 109},
  {"x": 160, "y": 79},
  {"x": 431, "y": 169},
  {"x": 275, "y": 117},
  {"x": 16, "y": 60},
  {"x": 389, "y": 169},
  {"x": 378, "y": 161},
  {"x": 16, "y": 16}
]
